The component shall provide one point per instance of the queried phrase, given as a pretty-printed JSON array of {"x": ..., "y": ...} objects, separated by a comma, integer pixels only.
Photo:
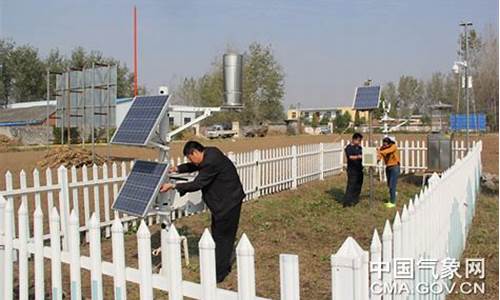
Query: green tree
[
  {"x": 315, "y": 120},
  {"x": 390, "y": 94},
  {"x": 358, "y": 120},
  {"x": 6, "y": 48},
  {"x": 55, "y": 62},
  {"x": 263, "y": 88},
  {"x": 28, "y": 74},
  {"x": 325, "y": 119},
  {"x": 434, "y": 92},
  {"x": 341, "y": 121}
]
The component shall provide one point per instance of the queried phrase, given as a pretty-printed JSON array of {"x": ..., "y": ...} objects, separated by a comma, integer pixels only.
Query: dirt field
[{"x": 27, "y": 159}]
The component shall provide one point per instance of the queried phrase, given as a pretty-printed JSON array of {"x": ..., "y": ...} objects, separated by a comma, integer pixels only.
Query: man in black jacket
[{"x": 222, "y": 192}]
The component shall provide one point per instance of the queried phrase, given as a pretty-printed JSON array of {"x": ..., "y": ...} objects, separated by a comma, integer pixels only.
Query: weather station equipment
[
  {"x": 439, "y": 157},
  {"x": 146, "y": 124},
  {"x": 367, "y": 98}
]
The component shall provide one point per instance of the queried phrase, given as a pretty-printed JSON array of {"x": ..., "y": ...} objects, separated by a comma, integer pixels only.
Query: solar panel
[
  {"x": 140, "y": 188},
  {"x": 141, "y": 120},
  {"x": 367, "y": 97}
]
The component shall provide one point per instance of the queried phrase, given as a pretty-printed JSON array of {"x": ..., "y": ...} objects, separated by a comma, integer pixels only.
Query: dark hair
[
  {"x": 191, "y": 146},
  {"x": 387, "y": 140},
  {"x": 357, "y": 136}
]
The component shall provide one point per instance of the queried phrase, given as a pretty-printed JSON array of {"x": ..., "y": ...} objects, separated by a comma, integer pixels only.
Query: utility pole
[{"x": 465, "y": 25}]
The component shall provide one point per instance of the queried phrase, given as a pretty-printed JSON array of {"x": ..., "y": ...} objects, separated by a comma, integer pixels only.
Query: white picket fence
[
  {"x": 433, "y": 226},
  {"x": 412, "y": 233},
  {"x": 262, "y": 172}
]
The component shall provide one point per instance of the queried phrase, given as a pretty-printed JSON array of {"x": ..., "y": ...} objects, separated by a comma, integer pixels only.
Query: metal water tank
[
  {"x": 439, "y": 154},
  {"x": 233, "y": 77}
]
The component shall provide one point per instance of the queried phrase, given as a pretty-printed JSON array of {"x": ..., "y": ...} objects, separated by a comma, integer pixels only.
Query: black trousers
[
  {"x": 354, "y": 185},
  {"x": 224, "y": 234}
]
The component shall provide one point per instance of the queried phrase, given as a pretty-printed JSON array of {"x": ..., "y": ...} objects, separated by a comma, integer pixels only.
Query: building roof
[
  {"x": 31, "y": 104},
  {"x": 25, "y": 115}
]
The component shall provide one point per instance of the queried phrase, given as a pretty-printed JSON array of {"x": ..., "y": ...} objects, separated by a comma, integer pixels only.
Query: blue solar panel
[
  {"x": 367, "y": 97},
  {"x": 141, "y": 120},
  {"x": 140, "y": 188}
]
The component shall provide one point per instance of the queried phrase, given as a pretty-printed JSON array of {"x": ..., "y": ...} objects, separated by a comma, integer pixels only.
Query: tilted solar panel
[
  {"x": 140, "y": 188},
  {"x": 367, "y": 97},
  {"x": 141, "y": 120}
]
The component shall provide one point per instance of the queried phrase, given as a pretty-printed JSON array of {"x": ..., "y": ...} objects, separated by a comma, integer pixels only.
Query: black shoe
[{"x": 220, "y": 278}]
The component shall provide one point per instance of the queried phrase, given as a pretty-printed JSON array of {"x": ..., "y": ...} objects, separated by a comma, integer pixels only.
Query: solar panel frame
[
  {"x": 153, "y": 193},
  {"x": 372, "y": 107},
  {"x": 151, "y": 130}
]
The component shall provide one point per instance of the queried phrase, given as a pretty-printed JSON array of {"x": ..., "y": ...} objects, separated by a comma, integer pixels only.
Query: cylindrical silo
[{"x": 233, "y": 77}]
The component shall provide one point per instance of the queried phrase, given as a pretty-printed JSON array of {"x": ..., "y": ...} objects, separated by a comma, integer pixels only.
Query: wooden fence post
[
  {"x": 256, "y": 173},
  {"x": 2, "y": 235},
  {"x": 350, "y": 272},
  {"x": 107, "y": 207},
  {"x": 246, "y": 269},
  {"x": 387, "y": 255},
  {"x": 74, "y": 180},
  {"x": 294, "y": 167},
  {"x": 207, "y": 266},
  {"x": 120, "y": 284},
  {"x": 86, "y": 201},
  {"x": 74, "y": 248},
  {"x": 174, "y": 264},
  {"x": 55, "y": 260},
  {"x": 145, "y": 267},
  {"x": 342, "y": 146},
  {"x": 289, "y": 277},
  {"x": 39, "y": 257},
  {"x": 376, "y": 260},
  {"x": 62, "y": 180},
  {"x": 321, "y": 161},
  {"x": 24, "y": 197},
  {"x": 95, "y": 257},
  {"x": 8, "y": 255},
  {"x": 23, "y": 250},
  {"x": 407, "y": 157}
]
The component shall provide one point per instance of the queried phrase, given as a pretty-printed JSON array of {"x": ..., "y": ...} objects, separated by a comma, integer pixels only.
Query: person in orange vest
[{"x": 390, "y": 153}]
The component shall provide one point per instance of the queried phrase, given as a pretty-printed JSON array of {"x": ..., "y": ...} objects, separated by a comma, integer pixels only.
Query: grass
[
  {"x": 309, "y": 222},
  {"x": 482, "y": 242}
]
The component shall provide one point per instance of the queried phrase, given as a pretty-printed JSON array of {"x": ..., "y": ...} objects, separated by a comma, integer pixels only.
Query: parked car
[
  {"x": 324, "y": 130},
  {"x": 258, "y": 131},
  {"x": 218, "y": 131}
]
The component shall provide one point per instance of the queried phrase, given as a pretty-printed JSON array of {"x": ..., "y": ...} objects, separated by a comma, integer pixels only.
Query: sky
[{"x": 326, "y": 48}]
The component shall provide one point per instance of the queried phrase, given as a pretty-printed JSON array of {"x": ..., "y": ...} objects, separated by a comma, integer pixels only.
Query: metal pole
[
  {"x": 82, "y": 133},
  {"x": 135, "y": 52},
  {"x": 370, "y": 144},
  {"x": 47, "y": 109},
  {"x": 108, "y": 116},
  {"x": 92, "y": 112},
  {"x": 466, "y": 81},
  {"x": 68, "y": 112}
]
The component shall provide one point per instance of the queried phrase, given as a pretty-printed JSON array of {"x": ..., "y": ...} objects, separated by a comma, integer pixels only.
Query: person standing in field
[
  {"x": 222, "y": 192},
  {"x": 354, "y": 156},
  {"x": 390, "y": 153}
]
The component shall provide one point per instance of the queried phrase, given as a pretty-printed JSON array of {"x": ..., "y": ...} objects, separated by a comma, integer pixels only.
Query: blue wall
[{"x": 458, "y": 122}]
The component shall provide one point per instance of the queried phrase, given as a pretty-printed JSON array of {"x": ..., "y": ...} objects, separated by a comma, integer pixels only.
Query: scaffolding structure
[{"x": 85, "y": 100}]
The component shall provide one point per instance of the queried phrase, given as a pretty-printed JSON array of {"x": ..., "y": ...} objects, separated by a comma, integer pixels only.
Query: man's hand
[
  {"x": 172, "y": 170},
  {"x": 167, "y": 187}
]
